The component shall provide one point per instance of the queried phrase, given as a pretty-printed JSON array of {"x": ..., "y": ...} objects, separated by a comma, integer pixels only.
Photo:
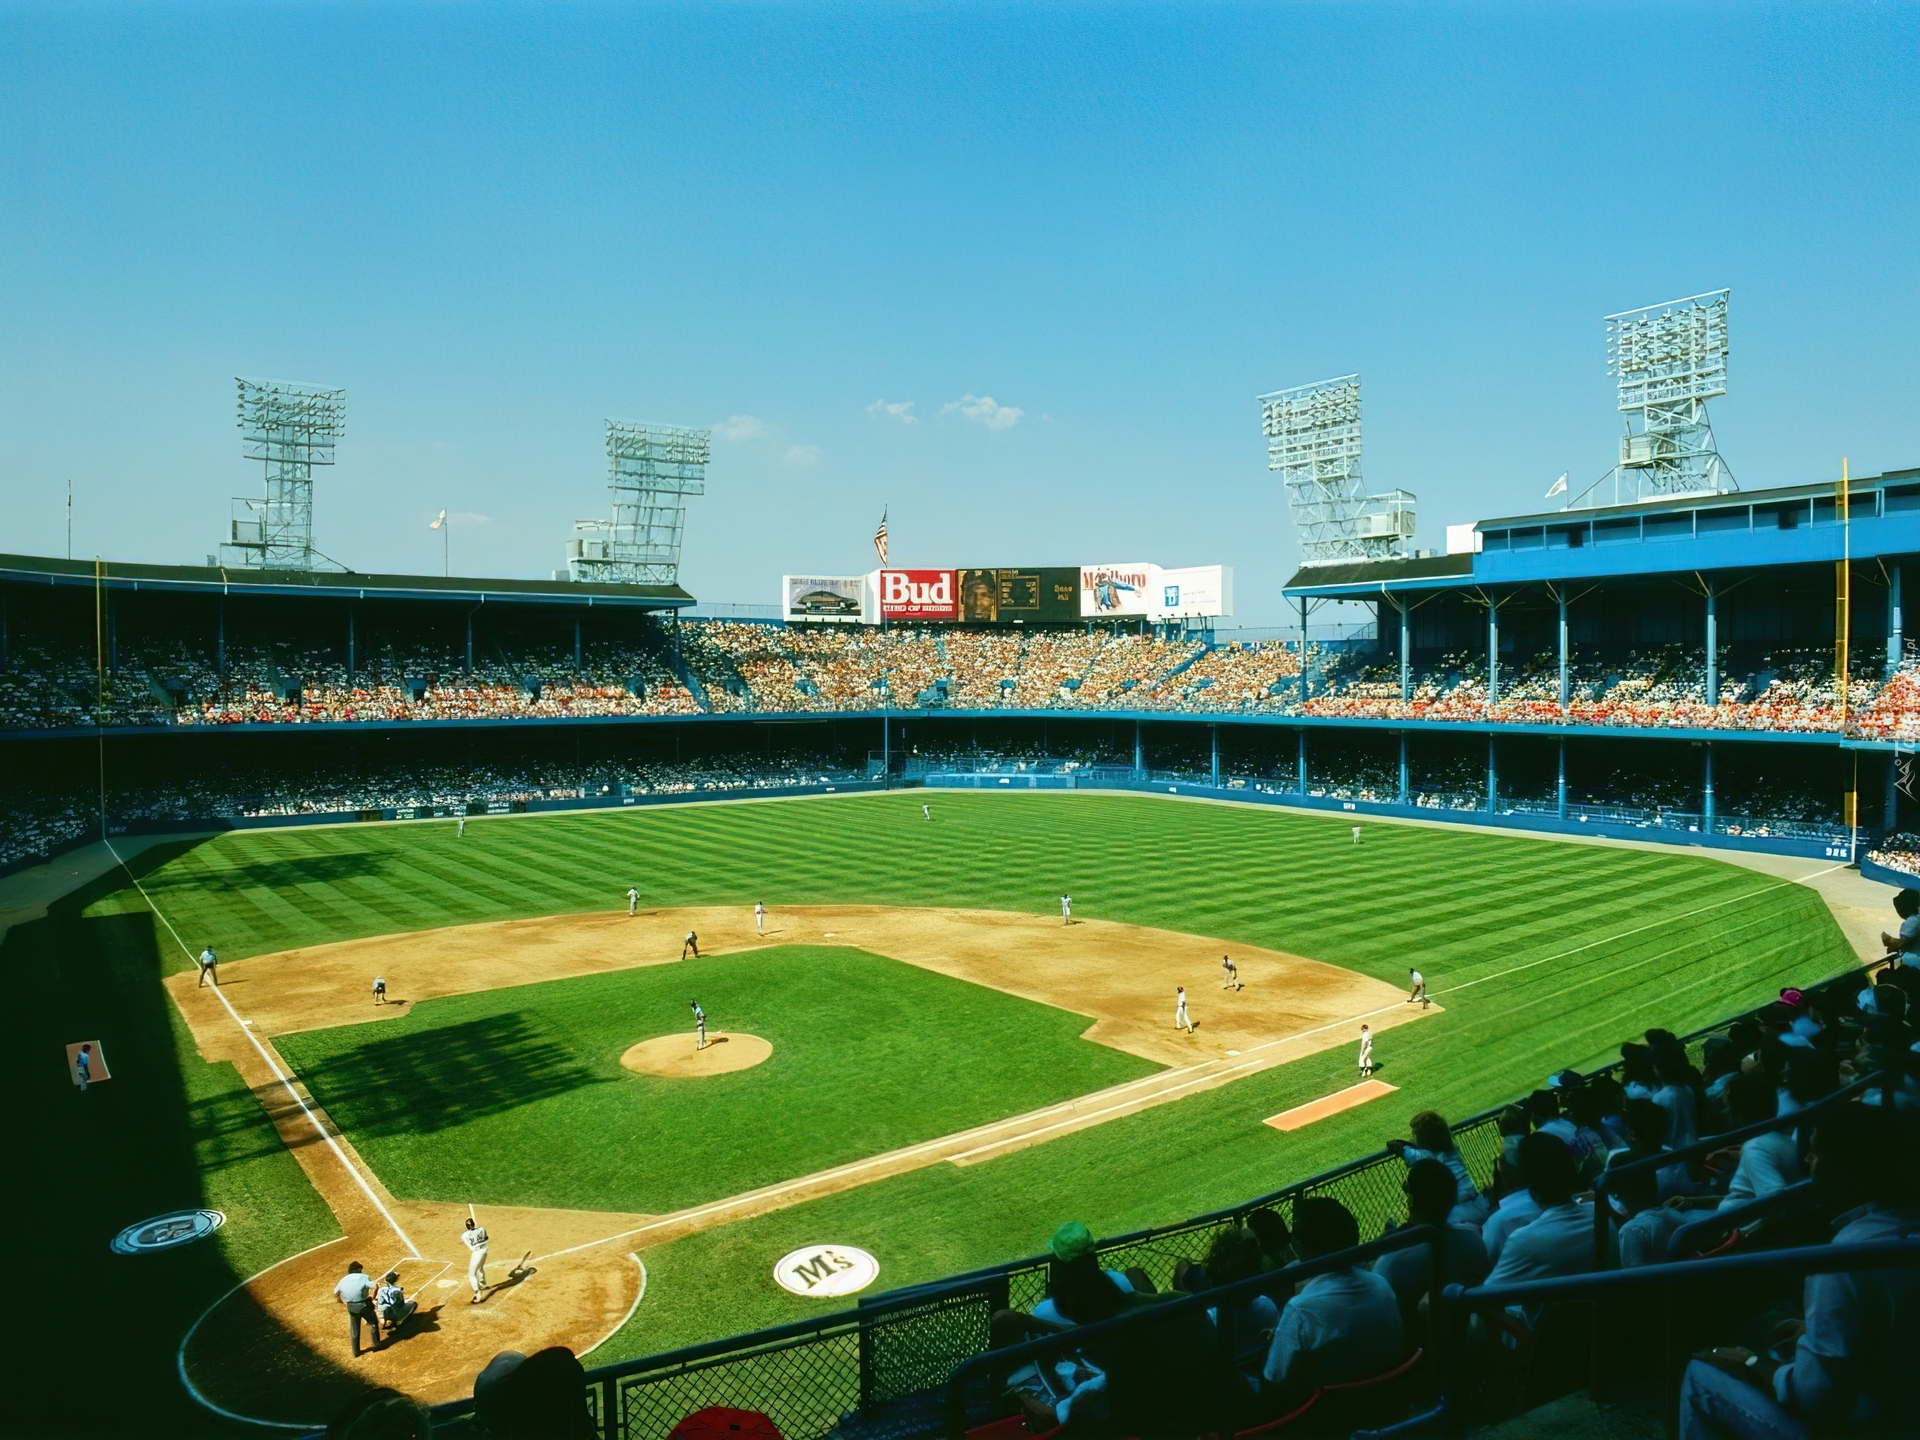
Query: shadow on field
[
  {"x": 288, "y": 874},
  {"x": 431, "y": 1079}
]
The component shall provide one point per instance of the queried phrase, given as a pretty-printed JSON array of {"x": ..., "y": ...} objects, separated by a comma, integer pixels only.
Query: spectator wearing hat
[{"x": 1076, "y": 1284}]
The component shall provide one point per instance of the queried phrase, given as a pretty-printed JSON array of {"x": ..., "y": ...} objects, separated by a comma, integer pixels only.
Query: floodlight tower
[
  {"x": 1313, "y": 439},
  {"x": 1670, "y": 359},
  {"x": 651, "y": 469},
  {"x": 289, "y": 429}
]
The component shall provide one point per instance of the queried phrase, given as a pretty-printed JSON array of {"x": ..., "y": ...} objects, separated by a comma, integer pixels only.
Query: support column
[
  {"x": 1890, "y": 817},
  {"x": 1303, "y": 762},
  {"x": 469, "y": 642},
  {"x": 351, "y": 639},
  {"x": 1406, "y": 654},
  {"x": 1560, "y": 781},
  {"x": 1493, "y": 651},
  {"x": 1566, "y": 659},
  {"x": 220, "y": 642},
  {"x": 576, "y": 645},
  {"x": 1713, "y": 650},
  {"x": 1139, "y": 755},
  {"x": 1706, "y": 812},
  {"x": 1896, "y": 622},
  {"x": 1403, "y": 767},
  {"x": 1215, "y": 731},
  {"x": 1493, "y": 778},
  {"x": 1303, "y": 659},
  {"x": 886, "y": 748}
]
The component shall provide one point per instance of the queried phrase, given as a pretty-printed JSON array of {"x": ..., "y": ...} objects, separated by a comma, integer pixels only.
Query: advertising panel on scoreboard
[
  {"x": 839, "y": 599},
  {"x": 1044, "y": 595},
  {"x": 1198, "y": 592},
  {"x": 918, "y": 595},
  {"x": 1111, "y": 591}
]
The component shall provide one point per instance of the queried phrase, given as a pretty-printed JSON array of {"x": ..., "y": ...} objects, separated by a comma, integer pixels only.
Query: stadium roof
[
  {"x": 1742, "y": 530},
  {"x": 346, "y": 584}
]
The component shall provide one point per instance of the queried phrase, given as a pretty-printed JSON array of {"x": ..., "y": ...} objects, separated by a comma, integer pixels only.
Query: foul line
[{"x": 278, "y": 1074}]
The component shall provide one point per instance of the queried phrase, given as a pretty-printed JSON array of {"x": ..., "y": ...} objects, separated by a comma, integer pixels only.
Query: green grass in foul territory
[
  {"x": 1544, "y": 954},
  {"x": 518, "y": 1097}
]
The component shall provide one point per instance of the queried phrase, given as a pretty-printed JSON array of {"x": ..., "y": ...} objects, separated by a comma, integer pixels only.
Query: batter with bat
[{"x": 474, "y": 1237}]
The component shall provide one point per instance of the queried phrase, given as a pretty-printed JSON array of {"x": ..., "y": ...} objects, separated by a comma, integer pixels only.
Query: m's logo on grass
[{"x": 826, "y": 1270}]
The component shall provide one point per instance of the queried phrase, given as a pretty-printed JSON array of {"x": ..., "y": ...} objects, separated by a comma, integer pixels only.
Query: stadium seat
[{"x": 1338, "y": 1409}]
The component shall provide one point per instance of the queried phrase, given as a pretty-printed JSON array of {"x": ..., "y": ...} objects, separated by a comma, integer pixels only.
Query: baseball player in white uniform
[
  {"x": 1417, "y": 990},
  {"x": 926, "y": 812},
  {"x": 1229, "y": 974},
  {"x": 699, "y": 1025},
  {"x": 379, "y": 989},
  {"x": 633, "y": 901},
  {"x": 460, "y": 830},
  {"x": 1366, "y": 1052},
  {"x": 1181, "y": 1020},
  {"x": 1356, "y": 834},
  {"x": 760, "y": 916},
  {"x": 1066, "y": 909},
  {"x": 475, "y": 1239},
  {"x": 209, "y": 966},
  {"x": 690, "y": 944}
]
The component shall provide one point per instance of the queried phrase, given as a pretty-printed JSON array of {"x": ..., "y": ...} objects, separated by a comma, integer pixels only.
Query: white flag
[
  {"x": 438, "y": 521},
  {"x": 1560, "y": 485}
]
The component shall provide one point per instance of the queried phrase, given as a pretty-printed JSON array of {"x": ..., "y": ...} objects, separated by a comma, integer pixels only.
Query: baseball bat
[
  {"x": 521, "y": 1267},
  {"x": 469, "y": 1210}
]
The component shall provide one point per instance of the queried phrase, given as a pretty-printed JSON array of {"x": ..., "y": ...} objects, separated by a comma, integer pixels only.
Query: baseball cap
[
  {"x": 1791, "y": 997},
  {"x": 1071, "y": 1241}
]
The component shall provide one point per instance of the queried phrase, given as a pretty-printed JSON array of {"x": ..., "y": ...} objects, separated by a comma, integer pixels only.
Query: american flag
[{"x": 880, "y": 538}]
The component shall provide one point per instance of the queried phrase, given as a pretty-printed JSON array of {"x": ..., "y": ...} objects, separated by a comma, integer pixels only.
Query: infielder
[
  {"x": 475, "y": 1239},
  {"x": 1066, "y": 909},
  {"x": 1418, "y": 991},
  {"x": 83, "y": 1066},
  {"x": 760, "y": 916},
  {"x": 209, "y": 965},
  {"x": 1366, "y": 1052},
  {"x": 633, "y": 901},
  {"x": 355, "y": 1291},
  {"x": 691, "y": 943},
  {"x": 1229, "y": 973},
  {"x": 1181, "y": 1020},
  {"x": 699, "y": 1025},
  {"x": 379, "y": 989}
]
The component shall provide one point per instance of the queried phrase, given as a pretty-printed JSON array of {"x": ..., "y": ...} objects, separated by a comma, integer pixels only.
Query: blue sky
[{"x": 496, "y": 226}]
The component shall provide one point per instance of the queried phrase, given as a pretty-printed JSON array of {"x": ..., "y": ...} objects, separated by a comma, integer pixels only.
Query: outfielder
[
  {"x": 1418, "y": 991},
  {"x": 1066, "y": 909},
  {"x": 1229, "y": 973},
  {"x": 633, "y": 900},
  {"x": 1356, "y": 834},
  {"x": 691, "y": 943},
  {"x": 460, "y": 830},
  {"x": 1181, "y": 1020},
  {"x": 475, "y": 1239},
  {"x": 699, "y": 1026},
  {"x": 926, "y": 811},
  {"x": 379, "y": 989},
  {"x": 1366, "y": 1052},
  {"x": 760, "y": 916},
  {"x": 209, "y": 965}
]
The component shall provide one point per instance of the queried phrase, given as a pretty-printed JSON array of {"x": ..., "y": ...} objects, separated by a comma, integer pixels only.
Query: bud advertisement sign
[
  {"x": 1200, "y": 591},
  {"x": 918, "y": 595},
  {"x": 1115, "y": 590},
  {"x": 839, "y": 599}
]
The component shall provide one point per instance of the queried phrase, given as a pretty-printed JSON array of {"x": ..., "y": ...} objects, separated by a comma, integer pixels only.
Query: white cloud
[
  {"x": 801, "y": 457},
  {"x": 988, "y": 411},
  {"x": 468, "y": 517},
  {"x": 901, "y": 410},
  {"x": 737, "y": 428}
]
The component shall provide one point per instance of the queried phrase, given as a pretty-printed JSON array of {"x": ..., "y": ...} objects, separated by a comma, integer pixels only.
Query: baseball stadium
[{"x": 774, "y": 1012}]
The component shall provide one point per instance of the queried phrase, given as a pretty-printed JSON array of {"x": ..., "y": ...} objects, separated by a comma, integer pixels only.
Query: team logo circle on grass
[
  {"x": 167, "y": 1232},
  {"x": 826, "y": 1271}
]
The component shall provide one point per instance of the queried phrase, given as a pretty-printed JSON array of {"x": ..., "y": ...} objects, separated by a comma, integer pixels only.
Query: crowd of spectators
[
  {"x": 1830, "y": 1358},
  {"x": 725, "y": 666}
]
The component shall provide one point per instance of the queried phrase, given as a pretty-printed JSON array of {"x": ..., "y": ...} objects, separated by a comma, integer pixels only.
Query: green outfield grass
[
  {"x": 1543, "y": 953},
  {"x": 518, "y": 1097}
]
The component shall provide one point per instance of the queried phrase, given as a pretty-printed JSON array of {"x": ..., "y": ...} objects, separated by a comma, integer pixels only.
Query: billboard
[
  {"x": 1200, "y": 590},
  {"x": 1045, "y": 595},
  {"x": 918, "y": 595},
  {"x": 1108, "y": 591},
  {"x": 841, "y": 599}
]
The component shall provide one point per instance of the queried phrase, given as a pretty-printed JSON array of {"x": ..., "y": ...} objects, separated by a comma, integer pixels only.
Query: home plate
[{"x": 1330, "y": 1104}]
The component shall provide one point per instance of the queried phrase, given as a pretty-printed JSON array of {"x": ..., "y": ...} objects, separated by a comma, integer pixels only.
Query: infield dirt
[{"x": 277, "y": 1348}]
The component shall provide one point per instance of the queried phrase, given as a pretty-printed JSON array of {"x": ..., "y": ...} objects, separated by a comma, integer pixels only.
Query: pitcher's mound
[{"x": 675, "y": 1057}]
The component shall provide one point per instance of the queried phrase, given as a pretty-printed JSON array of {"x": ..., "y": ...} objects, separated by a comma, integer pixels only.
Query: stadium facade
[{"x": 1667, "y": 669}]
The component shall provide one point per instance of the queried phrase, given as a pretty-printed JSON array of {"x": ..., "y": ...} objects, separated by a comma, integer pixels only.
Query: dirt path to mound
[{"x": 276, "y": 1349}]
